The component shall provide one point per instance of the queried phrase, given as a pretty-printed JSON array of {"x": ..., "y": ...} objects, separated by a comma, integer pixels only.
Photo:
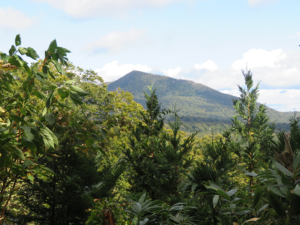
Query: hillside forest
[{"x": 72, "y": 152}]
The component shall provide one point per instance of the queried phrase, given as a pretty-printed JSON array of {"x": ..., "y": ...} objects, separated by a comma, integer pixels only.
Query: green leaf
[
  {"x": 27, "y": 163},
  {"x": 224, "y": 194},
  {"x": 39, "y": 77},
  {"x": 297, "y": 190},
  {"x": 63, "y": 93},
  {"x": 18, "y": 153},
  {"x": 52, "y": 46},
  {"x": 50, "y": 118},
  {"x": 25, "y": 129},
  {"x": 18, "y": 40},
  {"x": 117, "y": 131},
  {"x": 50, "y": 140},
  {"x": 232, "y": 191},
  {"x": 275, "y": 190},
  {"x": 103, "y": 133},
  {"x": 296, "y": 162},
  {"x": 89, "y": 142},
  {"x": 49, "y": 102},
  {"x": 282, "y": 168},
  {"x": 276, "y": 204},
  {"x": 40, "y": 95},
  {"x": 22, "y": 50},
  {"x": 44, "y": 111},
  {"x": 31, "y": 53},
  {"x": 70, "y": 81},
  {"x": 215, "y": 200},
  {"x": 80, "y": 91},
  {"x": 262, "y": 208},
  {"x": 29, "y": 136},
  {"x": 76, "y": 98},
  {"x": 194, "y": 185},
  {"x": 136, "y": 207},
  {"x": 257, "y": 196},
  {"x": 30, "y": 177},
  {"x": 12, "y": 50},
  {"x": 29, "y": 144},
  {"x": 18, "y": 119},
  {"x": 57, "y": 66},
  {"x": 48, "y": 170}
]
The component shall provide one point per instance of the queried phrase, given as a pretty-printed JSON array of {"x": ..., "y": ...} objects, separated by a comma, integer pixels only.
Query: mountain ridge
[{"x": 200, "y": 105}]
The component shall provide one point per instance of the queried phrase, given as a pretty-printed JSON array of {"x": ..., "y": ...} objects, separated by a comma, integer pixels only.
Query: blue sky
[{"x": 207, "y": 41}]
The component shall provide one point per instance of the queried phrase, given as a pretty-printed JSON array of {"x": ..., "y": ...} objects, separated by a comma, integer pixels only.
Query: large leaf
[
  {"x": 136, "y": 207},
  {"x": 57, "y": 66},
  {"x": 257, "y": 196},
  {"x": 276, "y": 204},
  {"x": 275, "y": 190},
  {"x": 31, "y": 53},
  {"x": 22, "y": 50},
  {"x": 18, "y": 119},
  {"x": 296, "y": 162},
  {"x": 297, "y": 190},
  {"x": 103, "y": 133},
  {"x": 282, "y": 168},
  {"x": 18, "y": 153},
  {"x": 49, "y": 100},
  {"x": 50, "y": 118},
  {"x": 80, "y": 91},
  {"x": 232, "y": 191},
  {"x": 215, "y": 200},
  {"x": 63, "y": 93},
  {"x": 52, "y": 46},
  {"x": 50, "y": 140}
]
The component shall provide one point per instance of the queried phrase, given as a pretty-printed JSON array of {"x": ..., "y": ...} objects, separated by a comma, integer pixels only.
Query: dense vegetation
[
  {"x": 73, "y": 153},
  {"x": 203, "y": 109}
]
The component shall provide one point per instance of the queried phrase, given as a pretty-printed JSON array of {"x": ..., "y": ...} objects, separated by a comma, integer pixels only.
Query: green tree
[
  {"x": 37, "y": 116},
  {"x": 251, "y": 124},
  {"x": 157, "y": 157}
]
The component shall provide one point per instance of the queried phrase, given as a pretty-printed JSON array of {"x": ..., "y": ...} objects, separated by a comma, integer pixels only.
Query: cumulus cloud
[
  {"x": 115, "y": 41},
  {"x": 208, "y": 65},
  {"x": 172, "y": 72},
  {"x": 280, "y": 99},
  {"x": 113, "y": 71},
  {"x": 253, "y": 3},
  {"x": 12, "y": 19},
  {"x": 259, "y": 58},
  {"x": 94, "y": 8}
]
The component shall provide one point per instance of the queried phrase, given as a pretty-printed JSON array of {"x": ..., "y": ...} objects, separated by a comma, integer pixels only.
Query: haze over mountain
[{"x": 202, "y": 107}]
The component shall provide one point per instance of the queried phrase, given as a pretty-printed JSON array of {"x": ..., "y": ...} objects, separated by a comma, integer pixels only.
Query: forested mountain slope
[{"x": 202, "y": 107}]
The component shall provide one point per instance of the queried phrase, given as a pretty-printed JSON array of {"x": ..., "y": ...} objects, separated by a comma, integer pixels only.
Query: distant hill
[{"x": 202, "y": 107}]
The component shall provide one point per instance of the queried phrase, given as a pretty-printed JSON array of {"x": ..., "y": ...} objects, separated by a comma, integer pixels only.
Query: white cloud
[
  {"x": 12, "y": 19},
  {"x": 172, "y": 72},
  {"x": 298, "y": 34},
  {"x": 280, "y": 99},
  {"x": 208, "y": 65},
  {"x": 259, "y": 58},
  {"x": 112, "y": 71},
  {"x": 259, "y": 2},
  {"x": 115, "y": 41},
  {"x": 94, "y": 8}
]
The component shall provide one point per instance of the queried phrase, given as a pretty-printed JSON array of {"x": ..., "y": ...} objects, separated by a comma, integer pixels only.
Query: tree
[
  {"x": 63, "y": 198},
  {"x": 158, "y": 158},
  {"x": 252, "y": 126},
  {"x": 38, "y": 116}
]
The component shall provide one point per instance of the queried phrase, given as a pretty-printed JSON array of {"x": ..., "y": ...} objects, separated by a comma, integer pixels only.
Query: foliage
[
  {"x": 251, "y": 124},
  {"x": 156, "y": 157},
  {"x": 61, "y": 198}
]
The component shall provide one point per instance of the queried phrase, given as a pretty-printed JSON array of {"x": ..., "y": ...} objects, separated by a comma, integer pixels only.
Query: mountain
[{"x": 202, "y": 107}]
